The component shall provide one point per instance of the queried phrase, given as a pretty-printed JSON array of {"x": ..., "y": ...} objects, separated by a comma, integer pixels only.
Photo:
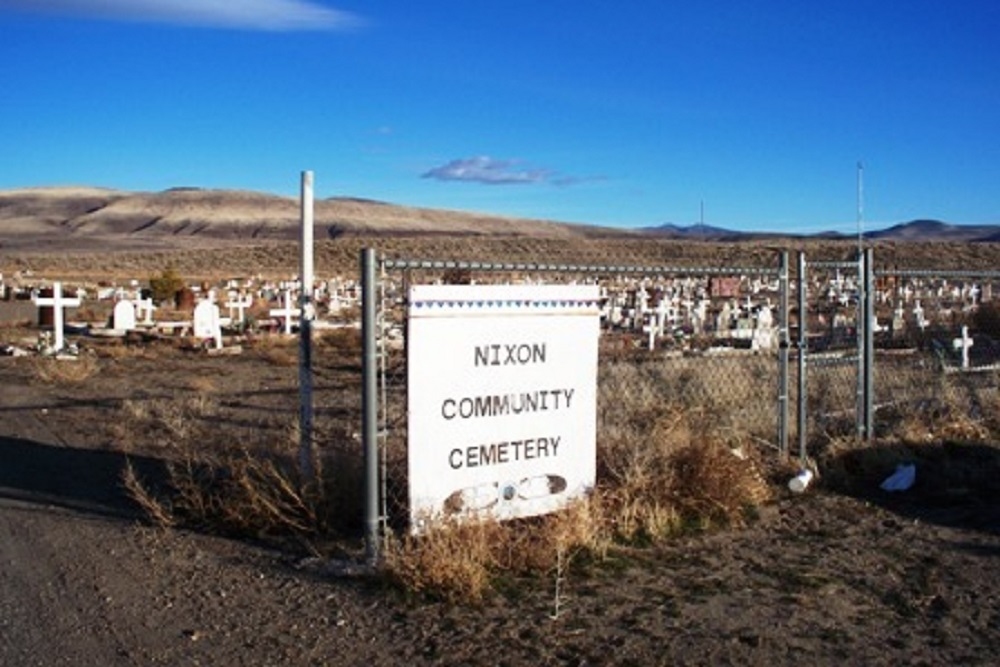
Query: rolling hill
[
  {"x": 181, "y": 215},
  {"x": 89, "y": 218}
]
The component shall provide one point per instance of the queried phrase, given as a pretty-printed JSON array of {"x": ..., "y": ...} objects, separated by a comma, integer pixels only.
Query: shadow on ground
[
  {"x": 956, "y": 484},
  {"x": 81, "y": 479}
]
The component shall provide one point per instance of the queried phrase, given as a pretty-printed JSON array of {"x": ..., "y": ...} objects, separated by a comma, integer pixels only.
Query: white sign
[{"x": 502, "y": 398}]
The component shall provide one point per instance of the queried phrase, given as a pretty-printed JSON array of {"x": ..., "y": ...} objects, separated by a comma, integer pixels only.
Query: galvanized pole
[
  {"x": 783, "y": 343},
  {"x": 803, "y": 345},
  {"x": 369, "y": 403},
  {"x": 860, "y": 331},
  {"x": 307, "y": 313},
  {"x": 869, "y": 365},
  {"x": 860, "y": 324}
]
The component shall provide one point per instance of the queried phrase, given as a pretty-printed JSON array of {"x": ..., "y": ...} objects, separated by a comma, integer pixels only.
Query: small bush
[{"x": 165, "y": 286}]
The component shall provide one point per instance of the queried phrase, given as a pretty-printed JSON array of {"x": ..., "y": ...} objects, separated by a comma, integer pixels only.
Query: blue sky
[{"x": 619, "y": 114}]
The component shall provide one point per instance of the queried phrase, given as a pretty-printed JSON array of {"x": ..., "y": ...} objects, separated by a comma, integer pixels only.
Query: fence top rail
[
  {"x": 834, "y": 265},
  {"x": 388, "y": 264},
  {"x": 937, "y": 273}
]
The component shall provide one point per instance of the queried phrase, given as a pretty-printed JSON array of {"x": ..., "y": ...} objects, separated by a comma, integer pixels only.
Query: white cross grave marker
[
  {"x": 918, "y": 312},
  {"x": 239, "y": 305},
  {"x": 58, "y": 302},
  {"x": 286, "y": 312},
  {"x": 144, "y": 309},
  {"x": 964, "y": 343},
  {"x": 651, "y": 329}
]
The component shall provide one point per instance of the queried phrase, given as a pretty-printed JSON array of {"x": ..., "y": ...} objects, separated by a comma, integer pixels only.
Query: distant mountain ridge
[{"x": 915, "y": 230}]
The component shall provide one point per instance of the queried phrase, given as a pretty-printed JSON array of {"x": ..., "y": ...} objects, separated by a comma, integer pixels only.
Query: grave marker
[
  {"x": 286, "y": 312},
  {"x": 206, "y": 323},
  {"x": 144, "y": 309},
  {"x": 123, "y": 317},
  {"x": 58, "y": 303},
  {"x": 963, "y": 344},
  {"x": 918, "y": 312},
  {"x": 239, "y": 305}
]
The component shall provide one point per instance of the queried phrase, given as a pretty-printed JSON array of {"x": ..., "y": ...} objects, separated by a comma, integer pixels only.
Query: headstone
[
  {"x": 144, "y": 308},
  {"x": 616, "y": 316},
  {"x": 765, "y": 318},
  {"x": 963, "y": 344},
  {"x": 206, "y": 323},
  {"x": 185, "y": 299},
  {"x": 724, "y": 320},
  {"x": 652, "y": 330},
  {"x": 898, "y": 321},
  {"x": 724, "y": 287},
  {"x": 918, "y": 312},
  {"x": 123, "y": 318},
  {"x": 237, "y": 307},
  {"x": 699, "y": 315},
  {"x": 286, "y": 312},
  {"x": 57, "y": 303}
]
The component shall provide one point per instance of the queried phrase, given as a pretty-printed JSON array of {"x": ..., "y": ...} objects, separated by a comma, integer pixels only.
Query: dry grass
[
  {"x": 233, "y": 485},
  {"x": 665, "y": 467},
  {"x": 278, "y": 350},
  {"x": 68, "y": 371}
]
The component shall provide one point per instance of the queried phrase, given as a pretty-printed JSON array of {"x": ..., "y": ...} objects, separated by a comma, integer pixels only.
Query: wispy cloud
[
  {"x": 491, "y": 171},
  {"x": 277, "y": 15}
]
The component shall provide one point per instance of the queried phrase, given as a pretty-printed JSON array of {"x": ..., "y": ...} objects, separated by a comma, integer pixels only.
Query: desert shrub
[
  {"x": 164, "y": 286},
  {"x": 462, "y": 560},
  {"x": 453, "y": 561},
  {"x": 247, "y": 486},
  {"x": 240, "y": 494}
]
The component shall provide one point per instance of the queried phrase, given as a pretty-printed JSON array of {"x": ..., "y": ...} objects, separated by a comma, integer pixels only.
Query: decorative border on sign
[
  {"x": 460, "y": 300},
  {"x": 486, "y": 304}
]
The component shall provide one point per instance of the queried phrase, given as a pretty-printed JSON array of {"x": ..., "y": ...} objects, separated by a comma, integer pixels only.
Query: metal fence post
[
  {"x": 369, "y": 403},
  {"x": 869, "y": 349},
  {"x": 783, "y": 343},
  {"x": 803, "y": 345},
  {"x": 861, "y": 333}
]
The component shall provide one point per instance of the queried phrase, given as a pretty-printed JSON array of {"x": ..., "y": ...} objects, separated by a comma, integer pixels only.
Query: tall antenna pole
[
  {"x": 861, "y": 205},
  {"x": 701, "y": 219}
]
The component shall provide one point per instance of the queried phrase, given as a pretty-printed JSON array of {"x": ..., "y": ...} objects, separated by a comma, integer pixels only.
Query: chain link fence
[
  {"x": 728, "y": 353},
  {"x": 701, "y": 345},
  {"x": 937, "y": 349}
]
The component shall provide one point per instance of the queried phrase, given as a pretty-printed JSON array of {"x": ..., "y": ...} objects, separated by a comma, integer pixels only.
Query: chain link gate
[
  {"x": 712, "y": 342},
  {"x": 834, "y": 390}
]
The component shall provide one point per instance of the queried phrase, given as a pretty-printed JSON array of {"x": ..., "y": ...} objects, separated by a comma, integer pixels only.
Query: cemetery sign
[{"x": 502, "y": 383}]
